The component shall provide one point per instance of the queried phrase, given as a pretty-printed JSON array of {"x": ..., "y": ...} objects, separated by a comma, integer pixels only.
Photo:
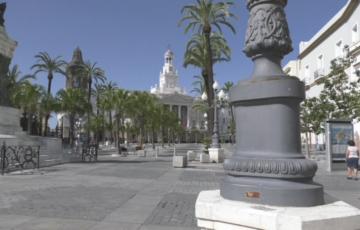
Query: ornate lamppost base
[
  {"x": 272, "y": 191},
  {"x": 268, "y": 166}
]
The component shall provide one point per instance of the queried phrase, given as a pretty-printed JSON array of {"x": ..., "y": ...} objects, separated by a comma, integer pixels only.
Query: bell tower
[
  {"x": 168, "y": 76},
  {"x": 75, "y": 78}
]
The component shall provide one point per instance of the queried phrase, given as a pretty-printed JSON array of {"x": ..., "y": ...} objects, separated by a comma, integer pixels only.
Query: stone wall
[
  {"x": 51, "y": 149},
  {"x": 9, "y": 121}
]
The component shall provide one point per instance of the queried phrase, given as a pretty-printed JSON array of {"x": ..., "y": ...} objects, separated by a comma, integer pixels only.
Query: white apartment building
[{"x": 339, "y": 37}]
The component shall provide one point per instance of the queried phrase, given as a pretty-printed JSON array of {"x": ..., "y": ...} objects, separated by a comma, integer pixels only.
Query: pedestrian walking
[{"x": 352, "y": 160}]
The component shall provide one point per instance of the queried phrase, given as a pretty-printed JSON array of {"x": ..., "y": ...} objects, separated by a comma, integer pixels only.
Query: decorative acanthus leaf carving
[
  {"x": 281, "y": 168},
  {"x": 267, "y": 32}
]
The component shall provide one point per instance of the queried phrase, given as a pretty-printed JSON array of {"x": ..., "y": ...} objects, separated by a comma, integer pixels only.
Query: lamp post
[
  {"x": 267, "y": 166},
  {"x": 216, "y": 153},
  {"x": 215, "y": 137},
  {"x": 267, "y": 177}
]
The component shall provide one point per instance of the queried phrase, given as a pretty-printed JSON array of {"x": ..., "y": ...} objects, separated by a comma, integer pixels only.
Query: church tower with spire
[{"x": 75, "y": 78}]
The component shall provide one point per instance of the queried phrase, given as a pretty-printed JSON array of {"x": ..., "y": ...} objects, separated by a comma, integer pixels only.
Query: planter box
[
  {"x": 191, "y": 156},
  {"x": 204, "y": 158},
  {"x": 179, "y": 161},
  {"x": 141, "y": 153},
  {"x": 216, "y": 155}
]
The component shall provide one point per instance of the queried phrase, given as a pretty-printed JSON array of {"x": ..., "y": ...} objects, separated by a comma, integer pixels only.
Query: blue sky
[{"x": 128, "y": 38}]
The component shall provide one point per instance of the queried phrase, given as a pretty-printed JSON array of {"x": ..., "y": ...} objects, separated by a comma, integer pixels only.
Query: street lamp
[
  {"x": 204, "y": 96},
  {"x": 215, "y": 137},
  {"x": 205, "y": 122},
  {"x": 215, "y": 151}
]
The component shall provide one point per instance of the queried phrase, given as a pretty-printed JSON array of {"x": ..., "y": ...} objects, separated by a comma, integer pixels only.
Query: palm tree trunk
[
  {"x": 110, "y": 125},
  {"x": 210, "y": 76},
  {"x": 117, "y": 143},
  {"x": 89, "y": 112},
  {"x": 47, "y": 117},
  {"x": 71, "y": 133},
  {"x": 210, "y": 93},
  {"x": 29, "y": 121},
  {"x": 153, "y": 138},
  {"x": 122, "y": 129},
  {"x": 50, "y": 77},
  {"x": 40, "y": 128}
]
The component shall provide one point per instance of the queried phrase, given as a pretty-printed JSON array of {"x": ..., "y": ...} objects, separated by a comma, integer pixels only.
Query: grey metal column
[
  {"x": 268, "y": 167},
  {"x": 215, "y": 137}
]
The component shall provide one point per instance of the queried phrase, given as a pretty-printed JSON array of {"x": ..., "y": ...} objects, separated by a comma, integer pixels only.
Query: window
[
  {"x": 307, "y": 74},
  {"x": 339, "y": 49},
  {"x": 320, "y": 62},
  {"x": 355, "y": 34}
]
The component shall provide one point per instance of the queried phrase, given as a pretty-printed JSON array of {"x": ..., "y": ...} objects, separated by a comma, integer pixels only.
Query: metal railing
[
  {"x": 89, "y": 153},
  {"x": 19, "y": 157}
]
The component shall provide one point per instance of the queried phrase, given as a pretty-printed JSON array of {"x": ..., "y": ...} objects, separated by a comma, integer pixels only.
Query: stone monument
[
  {"x": 10, "y": 131},
  {"x": 7, "y": 48},
  {"x": 269, "y": 181},
  {"x": 9, "y": 117}
]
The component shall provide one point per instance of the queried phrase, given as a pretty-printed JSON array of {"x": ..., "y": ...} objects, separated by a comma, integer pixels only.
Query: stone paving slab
[
  {"x": 10, "y": 221},
  {"x": 77, "y": 202},
  {"x": 122, "y": 193},
  {"x": 55, "y": 223},
  {"x": 159, "y": 227},
  {"x": 116, "y": 226},
  {"x": 175, "y": 209}
]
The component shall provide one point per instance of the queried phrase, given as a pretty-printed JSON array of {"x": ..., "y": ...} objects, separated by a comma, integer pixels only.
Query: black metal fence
[
  {"x": 19, "y": 157},
  {"x": 89, "y": 153}
]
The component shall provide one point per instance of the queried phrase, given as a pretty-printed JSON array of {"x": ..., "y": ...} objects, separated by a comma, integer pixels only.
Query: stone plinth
[
  {"x": 141, "y": 153},
  {"x": 9, "y": 121},
  {"x": 179, "y": 161},
  {"x": 7, "y": 48},
  {"x": 216, "y": 155},
  {"x": 191, "y": 156},
  {"x": 204, "y": 158},
  {"x": 214, "y": 212}
]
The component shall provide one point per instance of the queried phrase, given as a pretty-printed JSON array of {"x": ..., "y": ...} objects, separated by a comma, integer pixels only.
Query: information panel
[{"x": 340, "y": 132}]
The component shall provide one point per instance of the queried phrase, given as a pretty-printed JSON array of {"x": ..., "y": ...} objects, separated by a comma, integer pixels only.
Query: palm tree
[
  {"x": 107, "y": 103},
  {"x": 13, "y": 81},
  {"x": 73, "y": 102},
  {"x": 139, "y": 110},
  {"x": 47, "y": 105},
  {"x": 121, "y": 101},
  {"x": 204, "y": 16},
  {"x": 51, "y": 66},
  {"x": 96, "y": 125},
  {"x": 199, "y": 85},
  {"x": 93, "y": 74},
  {"x": 227, "y": 86},
  {"x": 27, "y": 98},
  {"x": 196, "y": 55},
  {"x": 196, "y": 50}
]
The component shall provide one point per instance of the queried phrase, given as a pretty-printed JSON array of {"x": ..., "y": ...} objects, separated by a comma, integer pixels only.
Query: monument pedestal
[
  {"x": 10, "y": 121},
  {"x": 214, "y": 212},
  {"x": 216, "y": 155}
]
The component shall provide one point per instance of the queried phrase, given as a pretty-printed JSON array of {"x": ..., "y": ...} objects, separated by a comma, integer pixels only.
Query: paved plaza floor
[{"x": 129, "y": 193}]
